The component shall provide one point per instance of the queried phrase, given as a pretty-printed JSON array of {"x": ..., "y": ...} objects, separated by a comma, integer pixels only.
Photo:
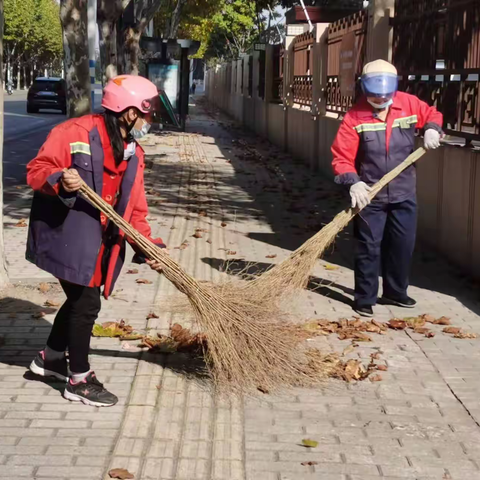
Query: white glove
[
  {"x": 431, "y": 139},
  {"x": 359, "y": 193}
]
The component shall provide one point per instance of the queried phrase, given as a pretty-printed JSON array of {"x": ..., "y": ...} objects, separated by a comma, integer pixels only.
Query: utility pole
[{"x": 92, "y": 40}]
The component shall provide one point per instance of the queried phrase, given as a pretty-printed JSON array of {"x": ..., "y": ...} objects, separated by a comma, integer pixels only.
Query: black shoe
[
  {"x": 364, "y": 311},
  {"x": 50, "y": 368},
  {"x": 90, "y": 392},
  {"x": 405, "y": 302}
]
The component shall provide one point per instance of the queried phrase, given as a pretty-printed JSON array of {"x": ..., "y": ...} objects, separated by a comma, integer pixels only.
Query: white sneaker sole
[
  {"x": 77, "y": 398},
  {"x": 42, "y": 372}
]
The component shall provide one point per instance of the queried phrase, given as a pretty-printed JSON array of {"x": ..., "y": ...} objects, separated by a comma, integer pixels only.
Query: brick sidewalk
[{"x": 420, "y": 422}]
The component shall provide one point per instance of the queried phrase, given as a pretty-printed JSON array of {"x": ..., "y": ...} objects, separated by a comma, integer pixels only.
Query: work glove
[
  {"x": 359, "y": 193},
  {"x": 431, "y": 139}
]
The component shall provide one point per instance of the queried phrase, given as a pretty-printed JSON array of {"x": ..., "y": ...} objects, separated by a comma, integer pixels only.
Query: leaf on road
[
  {"x": 183, "y": 246},
  {"x": 442, "y": 321},
  {"x": 354, "y": 370},
  {"x": 143, "y": 281},
  {"x": 113, "y": 329},
  {"x": 209, "y": 241},
  {"x": 465, "y": 335},
  {"x": 44, "y": 287},
  {"x": 330, "y": 267},
  {"x": 421, "y": 330},
  {"x": 38, "y": 315},
  {"x": 223, "y": 224},
  {"x": 396, "y": 324},
  {"x": 120, "y": 473},
  {"x": 21, "y": 224},
  {"x": 415, "y": 322},
  {"x": 430, "y": 334},
  {"x": 197, "y": 234},
  {"x": 231, "y": 252},
  {"x": 348, "y": 350},
  {"x": 270, "y": 256},
  {"x": 51, "y": 303},
  {"x": 308, "y": 464},
  {"x": 428, "y": 318},
  {"x": 376, "y": 378},
  {"x": 185, "y": 340},
  {"x": 133, "y": 271},
  {"x": 452, "y": 330},
  {"x": 309, "y": 443},
  {"x": 382, "y": 368},
  {"x": 152, "y": 315}
]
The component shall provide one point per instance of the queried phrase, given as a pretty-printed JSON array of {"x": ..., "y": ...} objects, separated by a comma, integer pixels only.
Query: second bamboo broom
[{"x": 294, "y": 272}]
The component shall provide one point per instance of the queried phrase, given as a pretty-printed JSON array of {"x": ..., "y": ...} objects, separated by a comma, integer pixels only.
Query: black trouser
[
  {"x": 385, "y": 239},
  {"x": 72, "y": 328}
]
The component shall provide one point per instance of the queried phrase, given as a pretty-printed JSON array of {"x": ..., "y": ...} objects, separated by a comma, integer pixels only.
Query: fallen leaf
[
  {"x": 263, "y": 390},
  {"x": 428, "y": 318},
  {"x": 209, "y": 241},
  {"x": 421, "y": 330},
  {"x": 158, "y": 387},
  {"x": 120, "y": 473},
  {"x": 396, "y": 324},
  {"x": 44, "y": 287},
  {"x": 415, "y": 322},
  {"x": 442, "y": 321},
  {"x": 223, "y": 224},
  {"x": 270, "y": 256},
  {"x": 152, "y": 315},
  {"x": 375, "y": 356},
  {"x": 143, "y": 281},
  {"x": 185, "y": 340},
  {"x": 430, "y": 334},
  {"x": 133, "y": 271},
  {"x": 376, "y": 378},
  {"x": 382, "y": 368},
  {"x": 231, "y": 252},
  {"x": 309, "y": 443},
  {"x": 51, "y": 303},
  {"x": 305, "y": 464},
  {"x": 173, "y": 228},
  {"x": 348, "y": 350},
  {"x": 202, "y": 213},
  {"x": 453, "y": 330},
  {"x": 38, "y": 315},
  {"x": 465, "y": 335},
  {"x": 330, "y": 267},
  {"x": 22, "y": 223},
  {"x": 115, "y": 329},
  {"x": 197, "y": 234},
  {"x": 354, "y": 370}
]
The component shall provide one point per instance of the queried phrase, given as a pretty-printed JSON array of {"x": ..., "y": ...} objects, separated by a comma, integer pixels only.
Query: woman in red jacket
[{"x": 70, "y": 239}]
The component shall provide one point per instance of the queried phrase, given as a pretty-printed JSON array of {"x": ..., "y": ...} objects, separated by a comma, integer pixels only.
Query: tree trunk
[
  {"x": 73, "y": 15},
  {"x": 173, "y": 24},
  {"x": 18, "y": 76},
  {"x": 132, "y": 51},
  {"x": 3, "y": 263},
  {"x": 25, "y": 83},
  {"x": 108, "y": 49}
]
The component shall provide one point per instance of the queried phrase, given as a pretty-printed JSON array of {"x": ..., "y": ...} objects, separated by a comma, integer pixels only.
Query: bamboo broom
[
  {"x": 294, "y": 272},
  {"x": 247, "y": 348}
]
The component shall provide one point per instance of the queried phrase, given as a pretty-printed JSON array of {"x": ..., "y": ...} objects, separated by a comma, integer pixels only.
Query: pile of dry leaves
[{"x": 180, "y": 339}]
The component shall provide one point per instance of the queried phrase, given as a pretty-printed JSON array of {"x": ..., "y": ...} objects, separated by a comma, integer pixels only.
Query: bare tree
[
  {"x": 73, "y": 15},
  {"x": 108, "y": 13},
  {"x": 3, "y": 266},
  {"x": 173, "y": 21}
]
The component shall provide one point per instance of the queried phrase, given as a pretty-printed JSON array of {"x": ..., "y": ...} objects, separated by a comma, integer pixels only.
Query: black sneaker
[
  {"x": 90, "y": 392},
  {"x": 364, "y": 311},
  {"x": 50, "y": 368},
  {"x": 406, "y": 302}
]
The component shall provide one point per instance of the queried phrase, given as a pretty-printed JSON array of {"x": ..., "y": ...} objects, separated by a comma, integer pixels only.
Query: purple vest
[{"x": 65, "y": 233}]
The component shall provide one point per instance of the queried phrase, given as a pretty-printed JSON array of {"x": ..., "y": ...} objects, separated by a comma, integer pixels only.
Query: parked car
[{"x": 47, "y": 92}]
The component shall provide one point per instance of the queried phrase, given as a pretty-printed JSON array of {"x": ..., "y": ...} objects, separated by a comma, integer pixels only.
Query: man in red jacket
[{"x": 376, "y": 135}]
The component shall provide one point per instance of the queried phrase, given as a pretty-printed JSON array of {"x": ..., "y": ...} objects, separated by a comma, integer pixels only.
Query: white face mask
[
  {"x": 137, "y": 134},
  {"x": 381, "y": 106}
]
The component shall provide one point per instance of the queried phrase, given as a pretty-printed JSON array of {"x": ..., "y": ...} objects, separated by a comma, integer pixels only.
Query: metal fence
[
  {"x": 357, "y": 24},
  {"x": 437, "y": 50}
]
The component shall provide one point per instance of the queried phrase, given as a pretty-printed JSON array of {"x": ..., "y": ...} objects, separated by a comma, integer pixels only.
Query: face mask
[
  {"x": 381, "y": 106},
  {"x": 137, "y": 134}
]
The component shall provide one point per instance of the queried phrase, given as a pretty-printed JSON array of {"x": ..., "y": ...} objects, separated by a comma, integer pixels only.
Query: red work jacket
[{"x": 366, "y": 148}]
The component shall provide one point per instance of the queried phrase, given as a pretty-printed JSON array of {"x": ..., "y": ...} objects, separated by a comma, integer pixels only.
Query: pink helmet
[{"x": 127, "y": 91}]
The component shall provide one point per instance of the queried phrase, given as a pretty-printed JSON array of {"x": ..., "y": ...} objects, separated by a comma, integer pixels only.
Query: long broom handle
[{"x": 171, "y": 269}]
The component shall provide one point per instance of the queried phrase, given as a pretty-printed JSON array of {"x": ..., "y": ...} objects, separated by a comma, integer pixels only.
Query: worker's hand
[
  {"x": 157, "y": 266},
  {"x": 71, "y": 181},
  {"x": 431, "y": 139},
  {"x": 359, "y": 193}
]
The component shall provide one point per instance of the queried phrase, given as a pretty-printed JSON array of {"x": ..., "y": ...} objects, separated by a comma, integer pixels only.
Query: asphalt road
[{"x": 24, "y": 135}]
